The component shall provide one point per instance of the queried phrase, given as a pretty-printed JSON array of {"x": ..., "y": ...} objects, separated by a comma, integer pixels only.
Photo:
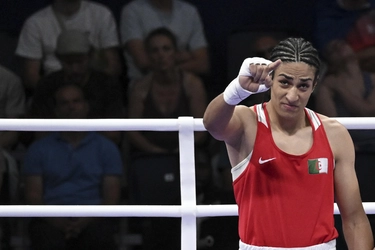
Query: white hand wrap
[{"x": 234, "y": 93}]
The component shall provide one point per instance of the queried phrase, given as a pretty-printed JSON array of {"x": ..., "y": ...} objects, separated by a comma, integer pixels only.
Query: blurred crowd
[{"x": 80, "y": 59}]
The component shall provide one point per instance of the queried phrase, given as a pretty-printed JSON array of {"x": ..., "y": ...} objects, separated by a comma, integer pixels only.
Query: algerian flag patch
[{"x": 318, "y": 166}]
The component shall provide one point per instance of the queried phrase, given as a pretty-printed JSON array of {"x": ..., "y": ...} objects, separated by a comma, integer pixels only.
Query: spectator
[
  {"x": 166, "y": 91},
  {"x": 37, "y": 41},
  {"x": 72, "y": 168},
  {"x": 347, "y": 91},
  {"x": 350, "y": 20},
  {"x": 353, "y": 96},
  {"x": 139, "y": 17},
  {"x": 361, "y": 38},
  {"x": 102, "y": 91}
]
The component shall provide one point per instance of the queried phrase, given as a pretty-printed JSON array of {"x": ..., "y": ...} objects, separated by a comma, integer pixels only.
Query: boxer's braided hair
[{"x": 296, "y": 50}]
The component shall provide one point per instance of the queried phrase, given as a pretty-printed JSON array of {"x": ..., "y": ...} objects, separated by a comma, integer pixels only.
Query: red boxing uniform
[{"x": 286, "y": 200}]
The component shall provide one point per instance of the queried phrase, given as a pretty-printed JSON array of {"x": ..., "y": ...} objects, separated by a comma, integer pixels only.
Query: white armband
[{"x": 234, "y": 93}]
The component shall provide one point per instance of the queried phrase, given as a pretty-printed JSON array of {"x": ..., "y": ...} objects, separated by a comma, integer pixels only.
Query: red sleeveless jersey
[{"x": 285, "y": 200}]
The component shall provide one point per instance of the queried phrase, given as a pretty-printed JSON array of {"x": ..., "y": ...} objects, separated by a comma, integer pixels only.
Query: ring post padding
[{"x": 187, "y": 178}]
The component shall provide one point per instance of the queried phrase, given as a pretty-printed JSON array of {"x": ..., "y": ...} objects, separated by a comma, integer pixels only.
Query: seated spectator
[
  {"x": 103, "y": 92},
  {"x": 37, "y": 40},
  {"x": 347, "y": 91},
  {"x": 350, "y": 20},
  {"x": 139, "y": 17},
  {"x": 166, "y": 91},
  {"x": 361, "y": 37},
  {"x": 72, "y": 168}
]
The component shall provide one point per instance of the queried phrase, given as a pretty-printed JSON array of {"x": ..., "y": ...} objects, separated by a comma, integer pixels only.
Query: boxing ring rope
[{"x": 188, "y": 210}]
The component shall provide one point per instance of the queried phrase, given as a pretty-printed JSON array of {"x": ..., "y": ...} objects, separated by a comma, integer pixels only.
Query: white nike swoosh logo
[{"x": 264, "y": 161}]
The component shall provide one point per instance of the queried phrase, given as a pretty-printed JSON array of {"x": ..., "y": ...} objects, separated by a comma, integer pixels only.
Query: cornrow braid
[{"x": 296, "y": 50}]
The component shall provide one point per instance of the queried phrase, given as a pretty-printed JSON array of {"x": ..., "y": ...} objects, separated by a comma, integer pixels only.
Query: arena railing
[{"x": 188, "y": 211}]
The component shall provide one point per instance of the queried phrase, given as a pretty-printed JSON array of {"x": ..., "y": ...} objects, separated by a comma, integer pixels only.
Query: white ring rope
[
  {"x": 129, "y": 210},
  {"x": 188, "y": 210},
  {"x": 95, "y": 124},
  {"x": 135, "y": 124}
]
